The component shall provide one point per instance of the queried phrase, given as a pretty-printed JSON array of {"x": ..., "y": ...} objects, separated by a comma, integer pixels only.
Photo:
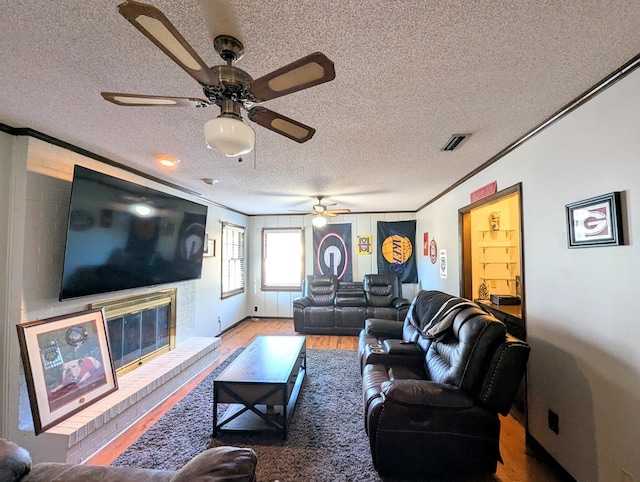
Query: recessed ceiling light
[
  {"x": 167, "y": 162},
  {"x": 208, "y": 180}
]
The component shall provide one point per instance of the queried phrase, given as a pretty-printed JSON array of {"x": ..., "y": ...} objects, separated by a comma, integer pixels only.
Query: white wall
[
  {"x": 581, "y": 318},
  {"x": 210, "y": 307},
  {"x": 36, "y": 186},
  {"x": 13, "y": 154},
  {"x": 279, "y": 303}
]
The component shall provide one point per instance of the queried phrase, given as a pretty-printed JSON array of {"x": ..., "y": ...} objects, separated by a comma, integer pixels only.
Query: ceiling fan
[
  {"x": 321, "y": 212},
  {"x": 227, "y": 86},
  {"x": 321, "y": 209}
]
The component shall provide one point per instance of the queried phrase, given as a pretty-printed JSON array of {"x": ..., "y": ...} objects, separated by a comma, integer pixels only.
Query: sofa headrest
[
  {"x": 322, "y": 280},
  {"x": 321, "y": 290},
  {"x": 381, "y": 289},
  {"x": 370, "y": 280}
]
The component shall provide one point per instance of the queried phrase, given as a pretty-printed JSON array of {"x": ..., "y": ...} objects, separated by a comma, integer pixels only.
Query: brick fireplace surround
[{"x": 79, "y": 437}]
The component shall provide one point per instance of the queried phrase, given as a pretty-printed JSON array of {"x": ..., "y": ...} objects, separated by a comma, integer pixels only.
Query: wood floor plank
[{"x": 520, "y": 463}]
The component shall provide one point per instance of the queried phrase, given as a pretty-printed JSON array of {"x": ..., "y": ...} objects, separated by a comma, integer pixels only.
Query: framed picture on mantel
[
  {"x": 596, "y": 221},
  {"x": 67, "y": 365}
]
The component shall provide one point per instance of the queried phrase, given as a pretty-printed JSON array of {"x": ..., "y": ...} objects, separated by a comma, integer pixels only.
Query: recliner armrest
[
  {"x": 398, "y": 303},
  {"x": 503, "y": 376},
  {"x": 424, "y": 393},
  {"x": 393, "y": 346},
  {"x": 383, "y": 328},
  {"x": 302, "y": 302}
]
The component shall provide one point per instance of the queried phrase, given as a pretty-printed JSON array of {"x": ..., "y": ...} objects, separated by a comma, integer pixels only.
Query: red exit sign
[{"x": 484, "y": 191}]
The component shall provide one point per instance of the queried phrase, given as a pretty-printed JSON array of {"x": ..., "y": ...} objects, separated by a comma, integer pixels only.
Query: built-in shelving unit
[
  {"x": 507, "y": 232},
  {"x": 496, "y": 263},
  {"x": 506, "y": 247}
]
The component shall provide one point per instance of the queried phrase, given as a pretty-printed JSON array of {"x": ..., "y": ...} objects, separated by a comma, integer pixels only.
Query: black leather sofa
[
  {"x": 331, "y": 307},
  {"x": 433, "y": 388}
]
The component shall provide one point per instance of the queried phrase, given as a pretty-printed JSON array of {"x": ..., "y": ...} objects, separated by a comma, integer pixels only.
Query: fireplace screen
[{"x": 140, "y": 328}]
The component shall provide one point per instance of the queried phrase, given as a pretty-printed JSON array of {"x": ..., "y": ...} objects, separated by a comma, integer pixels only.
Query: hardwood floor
[{"x": 520, "y": 462}]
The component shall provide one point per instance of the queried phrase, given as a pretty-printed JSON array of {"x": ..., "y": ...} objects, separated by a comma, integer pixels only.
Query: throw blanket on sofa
[{"x": 433, "y": 312}]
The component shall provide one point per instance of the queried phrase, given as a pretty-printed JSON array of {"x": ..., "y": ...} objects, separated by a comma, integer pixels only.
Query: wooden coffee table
[{"x": 262, "y": 385}]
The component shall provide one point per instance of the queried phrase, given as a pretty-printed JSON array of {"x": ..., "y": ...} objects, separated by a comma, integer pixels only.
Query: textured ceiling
[{"x": 408, "y": 75}]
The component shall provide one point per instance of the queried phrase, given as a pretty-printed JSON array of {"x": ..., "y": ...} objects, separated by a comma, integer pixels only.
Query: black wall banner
[
  {"x": 332, "y": 251},
  {"x": 396, "y": 249}
]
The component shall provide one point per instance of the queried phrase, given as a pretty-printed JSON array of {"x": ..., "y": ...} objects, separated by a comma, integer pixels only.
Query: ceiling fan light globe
[
  {"x": 221, "y": 19},
  {"x": 230, "y": 136},
  {"x": 319, "y": 221}
]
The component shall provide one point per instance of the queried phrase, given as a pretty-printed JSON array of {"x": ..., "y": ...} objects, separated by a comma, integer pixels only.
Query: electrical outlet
[
  {"x": 554, "y": 421},
  {"x": 493, "y": 284},
  {"x": 255, "y": 308}
]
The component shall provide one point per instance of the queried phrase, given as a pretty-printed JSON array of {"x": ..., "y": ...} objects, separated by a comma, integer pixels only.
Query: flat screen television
[{"x": 122, "y": 235}]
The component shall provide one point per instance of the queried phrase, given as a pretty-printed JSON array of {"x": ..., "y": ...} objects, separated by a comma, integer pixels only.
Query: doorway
[{"x": 492, "y": 263}]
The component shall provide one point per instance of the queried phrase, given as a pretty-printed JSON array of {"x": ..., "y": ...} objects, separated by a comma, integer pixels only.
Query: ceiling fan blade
[
  {"x": 336, "y": 212},
  {"x": 281, "y": 124},
  {"x": 140, "y": 100},
  {"x": 306, "y": 72},
  {"x": 157, "y": 28}
]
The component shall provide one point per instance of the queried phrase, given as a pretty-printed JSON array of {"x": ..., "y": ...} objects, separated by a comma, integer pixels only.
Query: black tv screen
[{"x": 122, "y": 235}]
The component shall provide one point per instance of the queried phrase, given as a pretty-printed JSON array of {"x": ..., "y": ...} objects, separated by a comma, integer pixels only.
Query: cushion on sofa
[
  {"x": 220, "y": 464},
  {"x": 59, "y": 472},
  {"x": 14, "y": 461}
]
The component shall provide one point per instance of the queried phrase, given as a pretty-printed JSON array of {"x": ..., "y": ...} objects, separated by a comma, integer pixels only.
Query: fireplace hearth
[{"x": 143, "y": 382}]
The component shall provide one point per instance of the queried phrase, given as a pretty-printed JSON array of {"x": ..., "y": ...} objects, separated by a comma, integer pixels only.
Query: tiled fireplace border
[{"x": 82, "y": 435}]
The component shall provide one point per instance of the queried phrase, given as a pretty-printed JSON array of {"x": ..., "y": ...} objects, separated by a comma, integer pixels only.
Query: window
[
  {"x": 282, "y": 259},
  {"x": 232, "y": 260}
]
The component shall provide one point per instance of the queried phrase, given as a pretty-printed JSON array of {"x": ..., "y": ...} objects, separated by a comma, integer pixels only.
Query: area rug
[{"x": 326, "y": 439}]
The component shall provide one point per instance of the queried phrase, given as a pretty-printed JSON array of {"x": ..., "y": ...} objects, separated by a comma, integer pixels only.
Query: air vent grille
[{"x": 455, "y": 141}]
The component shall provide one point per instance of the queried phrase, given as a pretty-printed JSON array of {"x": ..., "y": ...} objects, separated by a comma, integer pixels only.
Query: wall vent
[{"x": 454, "y": 141}]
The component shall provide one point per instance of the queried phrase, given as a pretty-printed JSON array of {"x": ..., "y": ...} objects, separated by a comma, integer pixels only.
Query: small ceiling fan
[
  {"x": 321, "y": 209},
  {"x": 227, "y": 86},
  {"x": 321, "y": 212}
]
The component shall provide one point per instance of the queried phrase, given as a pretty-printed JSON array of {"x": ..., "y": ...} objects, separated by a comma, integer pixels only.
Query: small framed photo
[
  {"x": 209, "y": 248},
  {"x": 596, "y": 221},
  {"x": 67, "y": 365}
]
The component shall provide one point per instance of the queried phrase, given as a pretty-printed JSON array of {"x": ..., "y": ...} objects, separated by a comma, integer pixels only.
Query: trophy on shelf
[{"x": 494, "y": 221}]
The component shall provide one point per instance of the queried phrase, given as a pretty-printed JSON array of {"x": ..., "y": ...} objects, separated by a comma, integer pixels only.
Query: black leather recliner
[
  {"x": 331, "y": 307},
  {"x": 383, "y": 293},
  {"x": 314, "y": 310},
  {"x": 433, "y": 388}
]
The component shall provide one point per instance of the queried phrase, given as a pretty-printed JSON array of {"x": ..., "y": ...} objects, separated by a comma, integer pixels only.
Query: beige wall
[{"x": 581, "y": 317}]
